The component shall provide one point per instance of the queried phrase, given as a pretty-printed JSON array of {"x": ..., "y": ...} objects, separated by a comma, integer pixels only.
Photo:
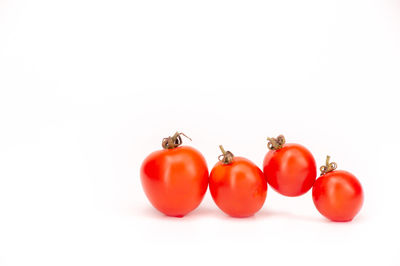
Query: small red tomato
[
  {"x": 237, "y": 185},
  {"x": 175, "y": 179},
  {"x": 290, "y": 169},
  {"x": 337, "y": 194}
]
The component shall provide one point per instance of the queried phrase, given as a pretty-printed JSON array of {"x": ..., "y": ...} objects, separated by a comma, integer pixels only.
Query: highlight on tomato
[
  {"x": 290, "y": 169},
  {"x": 237, "y": 185},
  {"x": 337, "y": 194},
  {"x": 175, "y": 178}
]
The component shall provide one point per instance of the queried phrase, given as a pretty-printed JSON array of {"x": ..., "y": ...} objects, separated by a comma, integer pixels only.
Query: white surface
[{"x": 89, "y": 88}]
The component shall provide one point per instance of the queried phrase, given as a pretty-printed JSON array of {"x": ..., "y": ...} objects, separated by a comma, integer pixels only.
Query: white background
[{"x": 89, "y": 88}]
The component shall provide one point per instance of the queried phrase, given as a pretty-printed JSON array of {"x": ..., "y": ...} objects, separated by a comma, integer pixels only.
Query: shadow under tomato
[
  {"x": 205, "y": 211},
  {"x": 288, "y": 215},
  {"x": 317, "y": 218},
  {"x": 214, "y": 212},
  {"x": 201, "y": 212}
]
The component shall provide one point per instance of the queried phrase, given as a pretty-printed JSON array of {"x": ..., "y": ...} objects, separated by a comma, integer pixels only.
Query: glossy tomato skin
[
  {"x": 175, "y": 180},
  {"x": 291, "y": 170},
  {"x": 338, "y": 195},
  {"x": 239, "y": 189}
]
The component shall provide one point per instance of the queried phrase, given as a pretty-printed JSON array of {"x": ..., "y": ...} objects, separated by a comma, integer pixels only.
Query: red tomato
[
  {"x": 237, "y": 186},
  {"x": 290, "y": 169},
  {"x": 175, "y": 179},
  {"x": 337, "y": 194}
]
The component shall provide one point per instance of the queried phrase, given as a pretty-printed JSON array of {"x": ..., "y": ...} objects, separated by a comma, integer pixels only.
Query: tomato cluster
[{"x": 175, "y": 180}]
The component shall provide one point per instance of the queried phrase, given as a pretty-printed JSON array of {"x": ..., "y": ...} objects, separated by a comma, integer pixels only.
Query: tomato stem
[
  {"x": 222, "y": 149},
  {"x": 174, "y": 141},
  {"x": 328, "y": 167},
  {"x": 226, "y": 157},
  {"x": 276, "y": 143}
]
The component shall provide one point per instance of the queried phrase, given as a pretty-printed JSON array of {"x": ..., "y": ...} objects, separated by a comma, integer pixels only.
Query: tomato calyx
[
  {"x": 226, "y": 157},
  {"x": 328, "y": 167},
  {"x": 174, "y": 141},
  {"x": 276, "y": 143}
]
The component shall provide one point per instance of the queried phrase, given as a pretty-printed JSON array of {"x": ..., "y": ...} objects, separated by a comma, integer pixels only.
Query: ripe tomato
[
  {"x": 290, "y": 169},
  {"x": 175, "y": 179},
  {"x": 237, "y": 185},
  {"x": 337, "y": 194}
]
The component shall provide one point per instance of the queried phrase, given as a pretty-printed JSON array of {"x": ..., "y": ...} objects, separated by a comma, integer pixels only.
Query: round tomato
[
  {"x": 290, "y": 169},
  {"x": 237, "y": 185},
  {"x": 337, "y": 194},
  {"x": 175, "y": 179}
]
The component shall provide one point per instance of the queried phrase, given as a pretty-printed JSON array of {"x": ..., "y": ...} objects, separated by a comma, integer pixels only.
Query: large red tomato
[
  {"x": 237, "y": 185},
  {"x": 290, "y": 169},
  {"x": 337, "y": 194},
  {"x": 175, "y": 179}
]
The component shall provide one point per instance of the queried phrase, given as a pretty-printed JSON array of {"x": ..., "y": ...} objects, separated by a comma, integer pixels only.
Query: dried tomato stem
[
  {"x": 222, "y": 149},
  {"x": 328, "y": 167},
  {"x": 174, "y": 141},
  {"x": 276, "y": 143},
  {"x": 226, "y": 157}
]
